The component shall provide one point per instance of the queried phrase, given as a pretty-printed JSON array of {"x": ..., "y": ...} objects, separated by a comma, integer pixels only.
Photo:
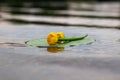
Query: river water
[{"x": 97, "y": 61}]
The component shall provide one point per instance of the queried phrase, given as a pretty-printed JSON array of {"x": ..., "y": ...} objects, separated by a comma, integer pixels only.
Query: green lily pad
[{"x": 43, "y": 42}]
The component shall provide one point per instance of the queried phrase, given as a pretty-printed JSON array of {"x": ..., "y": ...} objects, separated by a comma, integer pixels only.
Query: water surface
[{"x": 97, "y": 61}]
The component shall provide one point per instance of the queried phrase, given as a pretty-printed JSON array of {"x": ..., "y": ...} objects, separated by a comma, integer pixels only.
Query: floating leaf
[
  {"x": 43, "y": 42},
  {"x": 77, "y": 42}
]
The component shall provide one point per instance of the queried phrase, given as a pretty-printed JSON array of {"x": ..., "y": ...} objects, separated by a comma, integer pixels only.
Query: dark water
[{"x": 97, "y": 61}]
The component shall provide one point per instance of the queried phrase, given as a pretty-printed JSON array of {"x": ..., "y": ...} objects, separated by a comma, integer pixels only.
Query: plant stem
[{"x": 73, "y": 39}]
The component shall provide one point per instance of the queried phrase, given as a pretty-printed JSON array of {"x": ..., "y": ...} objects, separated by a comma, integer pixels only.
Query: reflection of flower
[
  {"x": 52, "y": 38},
  {"x": 55, "y": 49},
  {"x": 60, "y": 34}
]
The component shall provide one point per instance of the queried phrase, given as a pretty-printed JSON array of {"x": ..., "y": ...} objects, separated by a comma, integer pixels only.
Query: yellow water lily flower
[
  {"x": 60, "y": 34},
  {"x": 52, "y": 38}
]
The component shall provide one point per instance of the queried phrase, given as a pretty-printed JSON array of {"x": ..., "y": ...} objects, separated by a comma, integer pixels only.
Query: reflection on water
[
  {"x": 55, "y": 49},
  {"x": 49, "y": 49}
]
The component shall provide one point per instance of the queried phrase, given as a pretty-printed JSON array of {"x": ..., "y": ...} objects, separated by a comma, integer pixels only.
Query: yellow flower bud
[
  {"x": 60, "y": 34},
  {"x": 52, "y": 38}
]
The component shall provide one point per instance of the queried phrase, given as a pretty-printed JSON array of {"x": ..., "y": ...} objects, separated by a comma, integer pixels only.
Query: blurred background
[{"x": 88, "y": 13}]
